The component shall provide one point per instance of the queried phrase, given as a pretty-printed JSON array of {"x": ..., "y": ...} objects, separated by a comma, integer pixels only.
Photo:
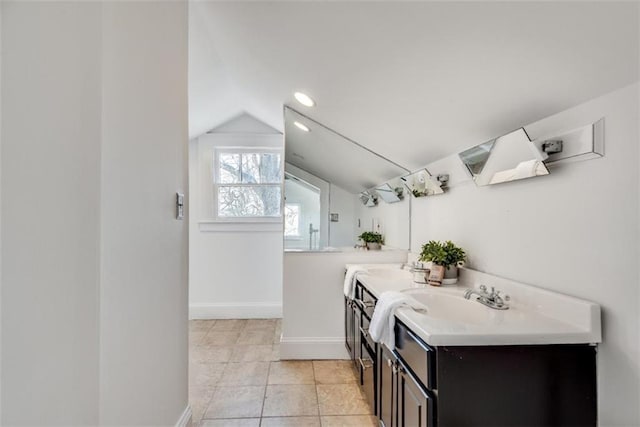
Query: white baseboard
[
  {"x": 185, "y": 418},
  {"x": 313, "y": 348},
  {"x": 244, "y": 310}
]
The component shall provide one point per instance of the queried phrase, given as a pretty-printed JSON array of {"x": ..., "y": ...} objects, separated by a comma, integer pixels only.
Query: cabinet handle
[
  {"x": 364, "y": 364},
  {"x": 367, "y": 304}
]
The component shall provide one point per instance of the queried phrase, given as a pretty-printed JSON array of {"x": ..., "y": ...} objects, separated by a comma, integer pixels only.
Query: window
[
  {"x": 291, "y": 220},
  {"x": 248, "y": 183}
]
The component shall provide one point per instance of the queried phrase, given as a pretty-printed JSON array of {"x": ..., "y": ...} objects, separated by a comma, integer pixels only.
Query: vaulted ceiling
[{"x": 414, "y": 81}]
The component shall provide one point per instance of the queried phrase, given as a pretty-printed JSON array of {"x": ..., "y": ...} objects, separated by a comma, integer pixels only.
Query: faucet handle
[{"x": 483, "y": 288}]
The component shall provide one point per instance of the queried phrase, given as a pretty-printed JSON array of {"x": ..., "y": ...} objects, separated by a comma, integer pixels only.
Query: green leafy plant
[
  {"x": 371, "y": 237},
  {"x": 446, "y": 253}
]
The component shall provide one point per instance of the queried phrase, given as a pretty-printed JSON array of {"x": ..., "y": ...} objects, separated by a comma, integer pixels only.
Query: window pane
[
  {"x": 229, "y": 168},
  {"x": 292, "y": 220},
  {"x": 261, "y": 168},
  {"x": 249, "y": 201}
]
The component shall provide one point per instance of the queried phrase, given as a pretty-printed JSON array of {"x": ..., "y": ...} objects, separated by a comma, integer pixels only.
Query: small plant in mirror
[{"x": 371, "y": 237}]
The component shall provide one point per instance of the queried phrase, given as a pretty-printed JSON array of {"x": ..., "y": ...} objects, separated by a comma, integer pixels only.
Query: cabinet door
[
  {"x": 415, "y": 405},
  {"x": 387, "y": 388},
  {"x": 368, "y": 374},
  {"x": 357, "y": 350},
  {"x": 349, "y": 326}
]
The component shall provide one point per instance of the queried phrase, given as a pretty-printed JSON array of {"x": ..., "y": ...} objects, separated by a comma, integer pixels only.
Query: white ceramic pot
[
  {"x": 374, "y": 246},
  {"x": 450, "y": 275}
]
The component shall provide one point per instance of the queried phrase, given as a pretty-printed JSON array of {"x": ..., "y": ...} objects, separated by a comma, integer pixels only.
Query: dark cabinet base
[
  {"x": 418, "y": 385},
  {"x": 532, "y": 385}
]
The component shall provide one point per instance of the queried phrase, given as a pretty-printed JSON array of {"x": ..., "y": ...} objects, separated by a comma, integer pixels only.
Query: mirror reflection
[
  {"x": 333, "y": 191},
  {"x": 389, "y": 194},
  {"x": 368, "y": 199},
  {"x": 507, "y": 158},
  {"x": 422, "y": 184}
]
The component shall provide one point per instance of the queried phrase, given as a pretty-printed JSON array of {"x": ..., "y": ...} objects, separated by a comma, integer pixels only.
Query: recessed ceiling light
[
  {"x": 304, "y": 99},
  {"x": 302, "y": 127}
]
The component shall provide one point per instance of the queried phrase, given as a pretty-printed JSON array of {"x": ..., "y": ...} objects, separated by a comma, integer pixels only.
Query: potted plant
[
  {"x": 372, "y": 239},
  {"x": 446, "y": 257}
]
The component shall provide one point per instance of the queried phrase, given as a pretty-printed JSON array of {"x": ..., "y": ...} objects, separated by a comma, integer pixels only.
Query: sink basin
[
  {"x": 390, "y": 273},
  {"x": 455, "y": 308}
]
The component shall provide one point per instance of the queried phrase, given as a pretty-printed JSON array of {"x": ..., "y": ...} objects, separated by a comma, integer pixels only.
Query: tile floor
[{"x": 236, "y": 379}]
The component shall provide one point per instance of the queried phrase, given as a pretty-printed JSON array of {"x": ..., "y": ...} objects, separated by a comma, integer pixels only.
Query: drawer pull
[
  {"x": 364, "y": 364},
  {"x": 366, "y": 304}
]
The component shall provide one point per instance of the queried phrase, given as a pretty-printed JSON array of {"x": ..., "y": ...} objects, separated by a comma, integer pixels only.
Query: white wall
[
  {"x": 212, "y": 95},
  {"x": 343, "y": 232},
  {"x": 50, "y": 212},
  {"x": 574, "y": 231},
  {"x": 143, "y": 298},
  {"x": 235, "y": 269},
  {"x": 313, "y": 318},
  {"x": 94, "y": 319},
  {"x": 392, "y": 218}
]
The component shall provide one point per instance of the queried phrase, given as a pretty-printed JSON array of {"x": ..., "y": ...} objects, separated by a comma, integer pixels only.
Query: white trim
[
  {"x": 236, "y": 310},
  {"x": 313, "y": 348},
  {"x": 270, "y": 227},
  {"x": 185, "y": 419}
]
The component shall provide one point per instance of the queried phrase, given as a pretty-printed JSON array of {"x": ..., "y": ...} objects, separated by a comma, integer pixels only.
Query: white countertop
[{"x": 535, "y": 316}]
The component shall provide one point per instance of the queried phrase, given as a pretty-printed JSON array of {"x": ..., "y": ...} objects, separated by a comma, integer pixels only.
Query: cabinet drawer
[{"x": 419, "y": 357}]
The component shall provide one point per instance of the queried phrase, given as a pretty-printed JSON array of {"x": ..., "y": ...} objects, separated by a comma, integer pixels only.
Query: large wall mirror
[{"x": 326, "y": 174}]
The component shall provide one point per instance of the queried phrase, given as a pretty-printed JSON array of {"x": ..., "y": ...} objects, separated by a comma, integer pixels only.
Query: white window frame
[{"x": 216, "y": 184}]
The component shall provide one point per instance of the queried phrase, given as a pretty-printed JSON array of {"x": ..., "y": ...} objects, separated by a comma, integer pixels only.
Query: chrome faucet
[{"x": 491, "y": 300}]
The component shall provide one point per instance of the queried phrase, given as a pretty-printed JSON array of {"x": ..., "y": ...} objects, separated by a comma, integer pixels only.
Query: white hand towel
[
  {"x": 350, "y": 280},
  {"x": 383, "y": 321}
]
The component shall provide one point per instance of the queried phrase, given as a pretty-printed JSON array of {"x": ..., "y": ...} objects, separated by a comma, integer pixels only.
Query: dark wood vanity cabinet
[{"x": 418, "y": 385}]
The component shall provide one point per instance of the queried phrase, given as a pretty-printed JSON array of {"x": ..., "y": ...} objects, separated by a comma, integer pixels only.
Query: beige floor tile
[
  {"x": 291, "y": 422},
  {"x": 260, "y": 324},
  {"x": 210, "y": 354},
  {"x": 253, "y": 353},
  {"x": 334, "y": 372},
  {"x": 350, "y": 420},
  {"x": 205, "y": 374},
  {"x": 341, "y": 399},
  {"x": 229, "y": 324},
  {"x": 290, "y": 401},
  {"x": 199, "y": 398},
  {"x": 217, "y": 338},
  {"x": 236, "y": 402},
  {"x": 245, "y": 373},
  {"x": 231, "y": 422},
  {"x": 276, "y": 352},
  {"x": 256, "y": 336},
  {"x": 200, "y": 325},
  {"x": 200, "y": 393},
  {"x": 291, "y": 372},
  {"x": 195, "y": 337}
]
